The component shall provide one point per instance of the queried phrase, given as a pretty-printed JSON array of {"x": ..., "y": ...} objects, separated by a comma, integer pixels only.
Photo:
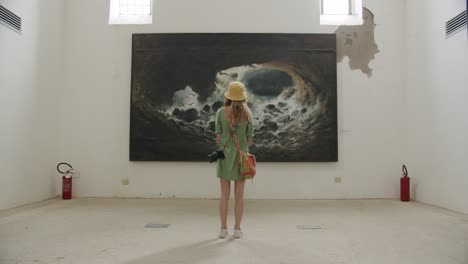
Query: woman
[{"x": 236, "y": 112}]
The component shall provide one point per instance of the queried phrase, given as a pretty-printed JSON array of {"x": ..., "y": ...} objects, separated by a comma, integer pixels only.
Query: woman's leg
[
  {"x": 239, "y": 206},
  {"x": 224, "y": 202}
]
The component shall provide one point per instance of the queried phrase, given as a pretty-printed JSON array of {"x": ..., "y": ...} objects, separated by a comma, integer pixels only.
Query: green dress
[{"x": 227, "y": 168}]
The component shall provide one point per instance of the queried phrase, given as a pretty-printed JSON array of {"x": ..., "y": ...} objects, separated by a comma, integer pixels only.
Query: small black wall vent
[
  {"x": 9, "y": 19},
  {"x": 455, "y": 24}
]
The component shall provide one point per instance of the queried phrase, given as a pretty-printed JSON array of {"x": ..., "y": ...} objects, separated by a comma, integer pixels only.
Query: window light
[
  {"x": 131, "y": 12},
  {"x": 336, "y": 7},
  {"x": 341, "y": 12}
]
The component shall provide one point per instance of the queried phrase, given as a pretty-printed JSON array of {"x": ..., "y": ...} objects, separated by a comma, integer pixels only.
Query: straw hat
[{"x": 236, "y": 92}]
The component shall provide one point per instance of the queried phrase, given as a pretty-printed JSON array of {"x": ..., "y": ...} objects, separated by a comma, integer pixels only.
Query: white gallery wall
[
  {"x": 30, "y": 91},
  {"x": 437, "y": 104},
  {"x": 65, "y": 96},
  {"x": 95, "y": 111}
]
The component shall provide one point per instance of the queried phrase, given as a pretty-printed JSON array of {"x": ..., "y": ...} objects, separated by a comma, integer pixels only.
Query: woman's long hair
[{"x": 240, "y": 112}]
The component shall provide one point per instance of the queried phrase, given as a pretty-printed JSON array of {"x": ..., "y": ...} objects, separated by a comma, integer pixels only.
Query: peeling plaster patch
[{"x": 358, "y": 43}]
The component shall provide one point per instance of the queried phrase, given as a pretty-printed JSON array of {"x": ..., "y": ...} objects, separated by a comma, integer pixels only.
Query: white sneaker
[
  {"x": 223, "y": 233},
  {"x": 238, "y": 233}
]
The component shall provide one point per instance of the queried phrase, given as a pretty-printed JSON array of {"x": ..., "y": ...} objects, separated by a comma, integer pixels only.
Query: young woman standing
[{"x": 235, "y": 114}]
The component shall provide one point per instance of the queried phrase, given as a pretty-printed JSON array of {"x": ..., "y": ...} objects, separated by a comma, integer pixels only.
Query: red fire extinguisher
[
  {"x": 66, "y": 181},
  {"x": 404, "y": 185}
]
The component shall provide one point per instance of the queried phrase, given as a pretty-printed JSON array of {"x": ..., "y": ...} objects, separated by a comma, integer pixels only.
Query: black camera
[{"x": 215, "y": 155}]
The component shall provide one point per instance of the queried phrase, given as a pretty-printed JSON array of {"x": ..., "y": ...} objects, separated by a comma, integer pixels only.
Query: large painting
[{"x": 178, "y": 82}]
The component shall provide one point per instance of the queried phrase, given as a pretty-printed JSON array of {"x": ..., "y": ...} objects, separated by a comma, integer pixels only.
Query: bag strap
[{"x": 234, "y": 136}]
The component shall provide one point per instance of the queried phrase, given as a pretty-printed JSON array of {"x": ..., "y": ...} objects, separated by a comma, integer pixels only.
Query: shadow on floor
[
  {"x": 198, "y": 252},
  {"x": 241, "y": 251}
]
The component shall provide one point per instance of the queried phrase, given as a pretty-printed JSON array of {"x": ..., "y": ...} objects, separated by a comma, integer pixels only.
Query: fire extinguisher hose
[
  {"x": 63, "y": 163},
  {"x": 405, "y": 171}
]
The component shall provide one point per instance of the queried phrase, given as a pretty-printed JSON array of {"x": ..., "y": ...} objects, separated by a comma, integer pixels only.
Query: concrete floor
[{"x": 95, "y": 230}]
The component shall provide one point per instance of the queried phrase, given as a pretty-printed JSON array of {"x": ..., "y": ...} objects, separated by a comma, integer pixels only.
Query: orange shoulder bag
[{"x": 246, "y": 161}]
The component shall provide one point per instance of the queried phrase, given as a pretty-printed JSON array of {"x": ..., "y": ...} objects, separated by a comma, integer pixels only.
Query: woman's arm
[
  {"x": 250, "y": 130},
  {"x": 218, "y": 127}
]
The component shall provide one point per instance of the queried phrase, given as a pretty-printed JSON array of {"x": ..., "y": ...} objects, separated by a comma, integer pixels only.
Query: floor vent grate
[
  {"x": 151, "y": 225},
  {"x": 308, "y": 227}
]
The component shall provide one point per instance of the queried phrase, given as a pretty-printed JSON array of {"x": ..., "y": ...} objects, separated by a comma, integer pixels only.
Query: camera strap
[
  {"x": 227, "y": 118},
  {"x": 226, "y": 142},
  {"x": 234, "y": 136}
]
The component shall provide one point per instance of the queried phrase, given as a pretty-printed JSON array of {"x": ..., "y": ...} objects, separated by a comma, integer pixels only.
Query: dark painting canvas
[{"x": 178, "y": 82}]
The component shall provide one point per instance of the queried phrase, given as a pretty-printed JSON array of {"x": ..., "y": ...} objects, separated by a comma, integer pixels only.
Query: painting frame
[{"x": 316, "y": 43}]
